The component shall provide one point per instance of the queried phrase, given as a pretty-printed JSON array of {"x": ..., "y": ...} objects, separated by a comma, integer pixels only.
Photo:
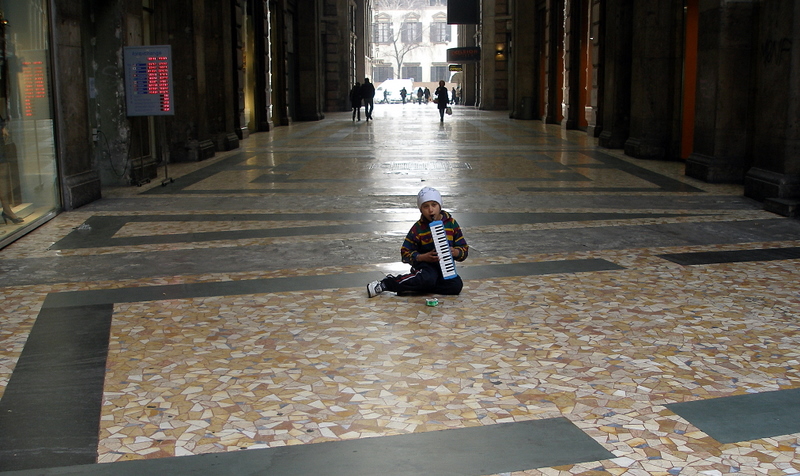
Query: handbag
[{"x": 448, "y": 110}]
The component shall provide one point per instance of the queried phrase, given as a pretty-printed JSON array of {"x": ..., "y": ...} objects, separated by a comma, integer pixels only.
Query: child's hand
[{"x": 430, "y": 257}]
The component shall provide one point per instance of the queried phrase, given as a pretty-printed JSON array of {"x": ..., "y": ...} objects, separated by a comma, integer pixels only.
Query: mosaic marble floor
[{"x": 608, "y": 350}]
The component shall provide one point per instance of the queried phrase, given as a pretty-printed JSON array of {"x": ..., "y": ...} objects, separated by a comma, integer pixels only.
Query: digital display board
[
  {"x": 35, "y": 85},
  {"x": 148, "y": 80}
]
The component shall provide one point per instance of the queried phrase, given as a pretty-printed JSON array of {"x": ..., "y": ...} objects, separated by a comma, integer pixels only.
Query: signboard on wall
[
  {"x": 468, "y": 54},
  {"x": 148, "y": 80}
]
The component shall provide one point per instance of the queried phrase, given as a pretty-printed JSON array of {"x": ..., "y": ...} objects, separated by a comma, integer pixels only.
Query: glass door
[{"x": 29, "y": 192}]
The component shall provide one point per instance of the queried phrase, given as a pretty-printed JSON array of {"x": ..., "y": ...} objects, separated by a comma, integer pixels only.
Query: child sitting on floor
[{"x": 419, "y": 251}]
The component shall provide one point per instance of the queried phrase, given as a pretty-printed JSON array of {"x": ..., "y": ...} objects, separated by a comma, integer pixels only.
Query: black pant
[
  {"x": 424, "y": 278},
  {"x": 369, "y": 103}
]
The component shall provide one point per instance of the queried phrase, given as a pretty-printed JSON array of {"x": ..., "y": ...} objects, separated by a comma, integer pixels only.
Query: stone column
[
  {"x": 181, "y": 24},
  {"x": 80, "y": 182},
  {"x": 523, "y": 61},
  {"x": 237, "y": 52},
  {"x": 340, "y": 63},
  {"x": 112, "y": 27},
  {"x": 554, "y": 60},
  {"x": 279, "y": 51},
  {"x": 363, "y": 54},
  {"x": 776, "y": 137},
  {"x": 502, "y": 34},
  {"x": 723, "y": 112},
  {"x": 488, "y": 77},
  {"x": 617, "y": 34},
  {"x": 310, "y": 59},
  {"x": 263, "y": 65},
  {"x": 656, "y": 80},
  {"x": 570, "y": 100},
  {"x": 222, "y": 61},
  {"x": 595, "y": 103},
  {"x": 471, "y": 74}
]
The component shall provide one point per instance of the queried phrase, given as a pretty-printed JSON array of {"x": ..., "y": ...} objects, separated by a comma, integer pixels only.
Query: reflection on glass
[{"x": 28, "y": 175}]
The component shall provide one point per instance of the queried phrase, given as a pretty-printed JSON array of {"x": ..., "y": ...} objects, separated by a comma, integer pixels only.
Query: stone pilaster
[
  {"x": 80, "y": 182},
  {"x": 310, "y": 61},
  {"x": 554, "y": 67},
  {"x": 595, "y": 101},
  {"x": 523, "y": 61},
  {"x": 572, "y": 52},
  {"x": 262, "y": 54},
  {"x": 776, "y": 137},
  {"x": 656, "y": 79},
  {"x": 617, "y": 32},
  {"x": 280, "y": 49},
  {"x": 723, "y": 113}
]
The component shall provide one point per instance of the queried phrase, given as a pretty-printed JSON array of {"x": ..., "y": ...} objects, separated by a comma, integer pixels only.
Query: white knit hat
[{"x": 427, "y": 194}]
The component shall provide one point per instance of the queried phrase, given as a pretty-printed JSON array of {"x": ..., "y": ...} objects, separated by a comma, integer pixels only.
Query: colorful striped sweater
[{"x": 419, "y": 239}]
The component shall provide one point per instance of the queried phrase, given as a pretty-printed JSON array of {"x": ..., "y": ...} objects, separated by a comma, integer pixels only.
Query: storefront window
[{"x": 28, "y": 175}]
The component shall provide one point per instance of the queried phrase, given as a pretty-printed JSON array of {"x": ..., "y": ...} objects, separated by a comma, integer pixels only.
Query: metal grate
[{"x": 437, "y": 166}]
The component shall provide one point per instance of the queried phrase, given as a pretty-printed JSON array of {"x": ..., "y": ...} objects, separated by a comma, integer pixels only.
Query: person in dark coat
[
  {"x": 441, "y": 99},
  {"x": 355, "y": 101},
  {"x": 368, "y": 95}
]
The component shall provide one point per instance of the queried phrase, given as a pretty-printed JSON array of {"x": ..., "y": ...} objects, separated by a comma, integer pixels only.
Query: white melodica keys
[{"x": 446, "y": 261}]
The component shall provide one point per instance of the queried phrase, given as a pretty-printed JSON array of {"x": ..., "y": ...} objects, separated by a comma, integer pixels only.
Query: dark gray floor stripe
[
  {"x": 195, "y": 290},
  {"x": 50, "y": 410},
  {"x": 588, "y": 189},
  {"x": 535, "y": 269},
  {"x": 666, "y": 184},
  {"x": 260, "y": 191},
  {"x": 555, "y": 176},
  {"x": 471, "y": 451},
  {"x": 305, "y": 283},
  {"x": 738, "y": 256},
  {"x": 199, "y": 175},
  {"x": 75, "y": 242},
  {"x": 180, "y": 184},
  {"x": 744, "y": 417},
  {"x": 98, "y": 231}
]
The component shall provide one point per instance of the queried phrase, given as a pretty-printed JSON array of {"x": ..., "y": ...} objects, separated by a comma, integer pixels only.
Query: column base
[
  {"x": 195, "y": 151},
  {"x": 783, "y": 206},
  {"x": 715, "y": 169},
  {"x": 641, "y": 149},
  {"x": 80, "y": 189},
  {"x": 609, "y": 140},
  {"x": 227, "y": 141},
  {"x": 760, "y": 184}
]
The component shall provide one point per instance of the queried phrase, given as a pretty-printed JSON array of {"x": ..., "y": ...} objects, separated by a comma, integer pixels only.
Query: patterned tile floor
[{"x": 607, "y": 350}]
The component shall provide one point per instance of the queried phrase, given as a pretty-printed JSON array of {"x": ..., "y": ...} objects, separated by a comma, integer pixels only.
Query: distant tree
[
  {"x": 399, "y": 42},
  {"x": 400, "y": 4},
  {"x": 400, "y": 48}
]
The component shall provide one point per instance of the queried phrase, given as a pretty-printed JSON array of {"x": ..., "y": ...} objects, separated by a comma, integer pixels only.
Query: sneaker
[{"x": 374, "y": 288}]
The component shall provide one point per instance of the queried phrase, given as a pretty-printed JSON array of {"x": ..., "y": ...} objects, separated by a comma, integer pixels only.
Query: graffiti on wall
[{"x": 776, "y": 52}]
